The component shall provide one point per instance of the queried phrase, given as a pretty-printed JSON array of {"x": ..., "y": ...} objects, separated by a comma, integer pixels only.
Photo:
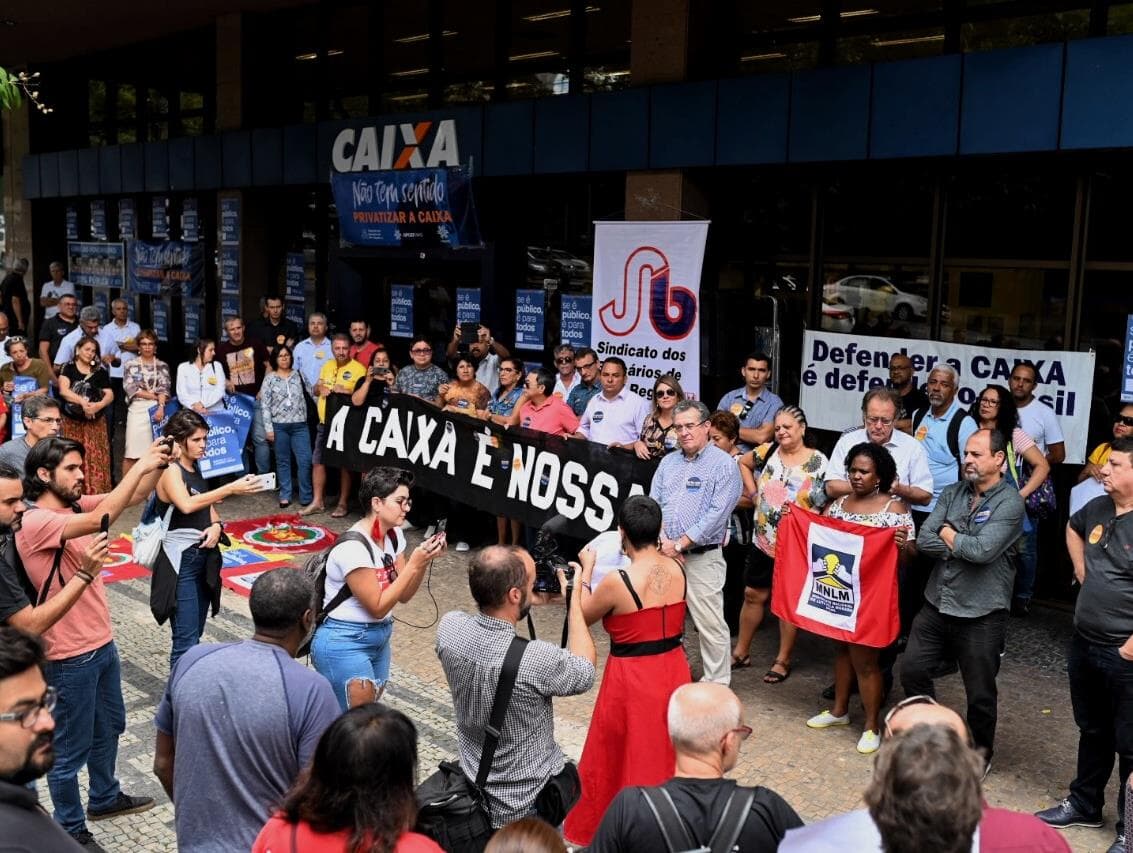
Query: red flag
[{"x": 836, "y": 578}]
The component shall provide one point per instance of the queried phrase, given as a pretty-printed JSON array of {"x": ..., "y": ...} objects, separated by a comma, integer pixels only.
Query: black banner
[{"x": 516, "y": 473}]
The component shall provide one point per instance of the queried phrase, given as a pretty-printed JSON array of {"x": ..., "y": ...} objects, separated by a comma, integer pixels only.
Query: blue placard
[
  {"x": 401, "y": 311},
  {"x": 160, "y": 219},
  {"x": 190, "y": 221},
  {"x": 71, "y": 216},
  {"x": 20, "y": 385},
  {"x": 160, "y": 310},
  {"x": 127, "y": 219},
  {"x": 408, "y": 207},
  {"x": 228, "y": 430},
  {"x": 1127, "y": 371},
  {"x": 97, "y": 264},
  {"x": 230, "y": 221},
  {"x": 295, "y": 312},
  {"x": 296, "y": 281},
  {"x": 228, "y": 257},
  {"x": 194, "y": 310},
  {"x": 529, "y": 306},
  {"x": 98, "y": 220},
  {"x": 575, "y": 326},
  {"x": 467, "y": 305},
  {"x": 159, "y": 267},
  {"x": 102, "y": 303}
]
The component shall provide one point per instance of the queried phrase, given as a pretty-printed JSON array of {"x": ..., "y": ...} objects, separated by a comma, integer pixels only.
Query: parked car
[
  {"x": 576, "y": 266},
  {"x": 837, "y": 316},
  {"x": 878, "y": 295},
  {"x": 541, "y": 265}
]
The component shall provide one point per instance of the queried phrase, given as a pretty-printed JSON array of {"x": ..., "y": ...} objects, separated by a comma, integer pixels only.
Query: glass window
[
  {"x": 606, "y": 61},
  {"x": 876, "y": 298},
  {"x": 876, "y": 212},
  {"x": 997, "y": 215},
  {"x": 775, "y": 57},
  {"x": 191, "y": 101},
  {"x": 890, "y": 46},
  {"x": 1108, "y": 239},
  {"x": 156, "y": 102},
  {"x": 192, "y": 125},
  {"x": 1018, "y": 308},
  {"x": 96, "y": 101},
  {"x": 406, "y": 31},
  {"x": 127, "y": 102},
  {"x": 1025, "y": 30}
]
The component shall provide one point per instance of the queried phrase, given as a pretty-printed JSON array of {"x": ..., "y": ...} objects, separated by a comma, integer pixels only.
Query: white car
[
  {"x": 837, "y": 316},
  {"x": 877, "y": 294}
]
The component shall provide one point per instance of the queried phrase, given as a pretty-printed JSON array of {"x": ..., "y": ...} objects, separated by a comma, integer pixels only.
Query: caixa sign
[{"x": 408, "y": 145}]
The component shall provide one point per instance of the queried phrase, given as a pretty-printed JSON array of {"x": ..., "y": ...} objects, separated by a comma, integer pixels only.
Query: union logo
[
  {"x": 832, "y": 581},
  {"x": 286, "y": 535}
]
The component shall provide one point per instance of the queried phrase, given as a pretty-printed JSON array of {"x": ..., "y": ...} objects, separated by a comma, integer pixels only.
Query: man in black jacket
[{"x": 27, "y": 732}]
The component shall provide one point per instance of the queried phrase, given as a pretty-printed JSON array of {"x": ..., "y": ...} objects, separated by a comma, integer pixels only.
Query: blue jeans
[
  {"x": 293, "y": 439},
  {"x": 188, "y": 620},
  {"x": 343, "y": 651},
  {"x": 1101, "y": 693},
  {"x": 89, "y": 718},
  {"x": 260, "y": 447},
  {"x": 1027, "y": 562}
]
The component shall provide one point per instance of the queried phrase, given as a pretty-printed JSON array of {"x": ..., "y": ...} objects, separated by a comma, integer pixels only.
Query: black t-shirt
[
  {"x": 13, "y": 596},
  {"x": 27, "y": 827},
  {"x": 1104, "y": 612},
  {"x": 273, "y": 336},
  {"x": 53, "y": 331},
  {"x": 243, "y": 364},
  {"x": 13, "y": 286},
  {"x": 89, "y": 386},
  {"x": 629, "y": 825},
  {"x": 914, "y": 401}
]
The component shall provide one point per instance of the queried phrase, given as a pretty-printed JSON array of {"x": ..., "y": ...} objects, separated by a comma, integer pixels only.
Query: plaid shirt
[{"x": 472, "y": 649}]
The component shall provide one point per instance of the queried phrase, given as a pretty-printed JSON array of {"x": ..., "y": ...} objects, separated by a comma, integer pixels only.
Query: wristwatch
[{"x": 678, "y": 547}]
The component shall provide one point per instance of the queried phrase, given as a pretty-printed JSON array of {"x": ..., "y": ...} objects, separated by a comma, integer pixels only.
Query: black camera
[{"x": 549, "y": 561}]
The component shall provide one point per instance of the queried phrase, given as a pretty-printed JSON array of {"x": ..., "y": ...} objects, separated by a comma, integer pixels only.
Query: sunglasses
[
  {"x": 905, "y": 703},
  {"x": 421, "y": 350},
  {"x": 1120, "y": 419},
  {"x": 564, "y": 361},
  {"x": 664, "y": 392}
]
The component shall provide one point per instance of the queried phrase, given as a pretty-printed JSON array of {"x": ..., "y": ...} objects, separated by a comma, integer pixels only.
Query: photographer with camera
[
  {"x": 529, "y": 773},
  {"x": 376, "y": 382}
]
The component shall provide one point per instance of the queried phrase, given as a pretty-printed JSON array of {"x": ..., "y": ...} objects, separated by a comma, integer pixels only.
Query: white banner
[
  {"x": 647, "y": 300},
  {"x": 838, "y": 369}
]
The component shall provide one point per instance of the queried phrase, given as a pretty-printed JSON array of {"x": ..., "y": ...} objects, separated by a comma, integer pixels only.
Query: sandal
[
  {"x": 284, "y": 504},
  {"x": 741, "y": 663},
  {"x": 773, "y": 677},
  {"x": 340, "y": 512}
]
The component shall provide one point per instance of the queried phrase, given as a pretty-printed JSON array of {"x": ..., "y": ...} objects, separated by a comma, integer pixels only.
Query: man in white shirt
[
  {"x": 568, "y": 377},
  {"x": 51, "y": 291},
  {"x": 615, "y": 416},
  {"x": 124, "y": 332},
  {"x": 311, "y": 354},
  {"x": 90, "y": 324},
  {"x": 1039, "y": 421}
]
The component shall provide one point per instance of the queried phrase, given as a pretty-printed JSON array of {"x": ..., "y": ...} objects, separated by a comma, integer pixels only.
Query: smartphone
[
  {"x": 469, "y": 333},
  {"x": 441, "y": 525},
  {"x": 104, "y": 525},
  {"x": 267, "y": 482}
]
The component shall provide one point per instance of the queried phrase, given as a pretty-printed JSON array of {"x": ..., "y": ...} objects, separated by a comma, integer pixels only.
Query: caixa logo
[
  {"x": 401, "y": 146},
  {"x": 646, "y": 284}
]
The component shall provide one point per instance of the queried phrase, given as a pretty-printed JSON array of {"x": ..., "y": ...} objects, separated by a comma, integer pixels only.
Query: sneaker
[
  {"x": 1064, "y": 814},
  {"x": 825, "y": 720},
  {"x": 869, "y": 742},
  {"x": 125, "y": 804},
  {"x": 1118, "y": 845},
  {"x": 463, "y": 546},
  {"x": 85, "y": 840}
]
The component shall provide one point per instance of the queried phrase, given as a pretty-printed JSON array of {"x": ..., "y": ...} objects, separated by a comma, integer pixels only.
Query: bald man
[
  {"x": 999, "y": 831},
  {"x": 706, "y": 725}
]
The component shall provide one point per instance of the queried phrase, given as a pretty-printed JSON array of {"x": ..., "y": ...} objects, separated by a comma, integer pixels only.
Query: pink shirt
[
  {"x": 86, "y": 626},
  {"x": 553, "y": 416}
]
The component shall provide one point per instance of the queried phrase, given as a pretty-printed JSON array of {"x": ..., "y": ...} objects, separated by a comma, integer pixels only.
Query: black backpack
[
  {"x": 953, "y": 435},
  {"x": 316, "y": 569}
]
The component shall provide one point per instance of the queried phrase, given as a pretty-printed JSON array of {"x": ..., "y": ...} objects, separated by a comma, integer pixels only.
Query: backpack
[
  {"x": 677, "y": 834},
  {"x": 953, "y": 435},
  {"x": 315, "y": 568}
]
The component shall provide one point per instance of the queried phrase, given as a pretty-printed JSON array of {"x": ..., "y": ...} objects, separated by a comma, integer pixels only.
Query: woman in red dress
[{"x": 642, "y": 608}]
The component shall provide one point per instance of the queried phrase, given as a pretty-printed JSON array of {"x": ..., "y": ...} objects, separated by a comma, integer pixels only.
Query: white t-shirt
[
  {"x": 106, "y": 344},
  {"x": 618, "y": 420},
  {"x": 907, "y": 453},
  {"x": 51, "y": 290},
  {"x": 562, "y": 389},
  {"x": 120, "y": 334},
  {"x": 349, "y": 557},
  {"x": 1039, "y": 421}
]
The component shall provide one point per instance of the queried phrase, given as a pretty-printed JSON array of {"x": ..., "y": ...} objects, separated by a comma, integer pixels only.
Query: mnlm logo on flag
[{"x": 836, "y": 578}]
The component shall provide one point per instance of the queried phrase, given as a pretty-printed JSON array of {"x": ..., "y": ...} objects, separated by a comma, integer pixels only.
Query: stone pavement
[{"x": 818, "y": 772}]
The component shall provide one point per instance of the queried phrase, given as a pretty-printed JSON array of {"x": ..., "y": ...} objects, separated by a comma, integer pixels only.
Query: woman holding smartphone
[
  {"x": 377, "y": 380},
  {"x": 184, "y": 594},
  {"x": 284, "y": 407},
  {"x": 366, "y": 577}
]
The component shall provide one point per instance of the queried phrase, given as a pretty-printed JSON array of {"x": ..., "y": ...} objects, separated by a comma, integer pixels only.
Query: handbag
[
  {"x": 1041, "y": 503},
  {"x": 559, "y": 795},
  {"x": 148, "y": 537},
  {"x": 451, "y": 809}
]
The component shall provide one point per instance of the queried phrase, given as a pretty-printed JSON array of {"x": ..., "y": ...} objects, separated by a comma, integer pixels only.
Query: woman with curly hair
[{"x": 357, "y": 796}]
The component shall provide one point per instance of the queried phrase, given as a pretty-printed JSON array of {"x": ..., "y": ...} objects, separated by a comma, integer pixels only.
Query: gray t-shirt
[
  {"x": 1104, "y": 612},
  {"x": 14, "y": 453},
  {"x": 245, "y": 718}
]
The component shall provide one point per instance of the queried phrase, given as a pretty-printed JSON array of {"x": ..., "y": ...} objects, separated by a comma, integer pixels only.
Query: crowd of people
[{"x": 315, "y": 760}]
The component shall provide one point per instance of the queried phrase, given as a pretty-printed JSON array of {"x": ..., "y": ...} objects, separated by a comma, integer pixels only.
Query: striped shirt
[
  {"x": 697, "y": 494},
  {"x": 472, "y": 649}
]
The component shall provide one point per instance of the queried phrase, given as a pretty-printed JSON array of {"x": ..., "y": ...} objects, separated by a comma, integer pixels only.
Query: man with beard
[
  {"x": 968, "y": 596},
  {"x": 27, "y": 731},
  {"x": 16, "y": 593},
  {"x": 82, "y": 658},
  {"x": 472, "y": 651},
  {"x": 910, "y": 398}
]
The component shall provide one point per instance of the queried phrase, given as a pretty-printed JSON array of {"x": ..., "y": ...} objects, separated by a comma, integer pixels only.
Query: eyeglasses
[
  {"x": 582, "y": 366},
  {"x": 1124, "y": 421},
  {"x": 421, "y": 350},
  {"x": 743, "y": 731},
  {"x": 904, "y": 703},
  {"x": 1112, "y": 523},
  {"x": 48, "y": 420},
  {"x": 664, "y": 392},
  {"x": 16, "y": 339},
  {"x": 681, "y": 428},
  {"x": 28, "y": 717},
  {"x": 404, "y": 503},
  {"x": 508, "y": 370},
  {"x": 994, "y": 401},
  {"x": 567, "y": 360},
  {"x": 879, "y": 421}
]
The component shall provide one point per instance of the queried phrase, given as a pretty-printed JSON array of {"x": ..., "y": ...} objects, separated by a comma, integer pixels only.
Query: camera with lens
[{"x": 549, "y": 561}]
